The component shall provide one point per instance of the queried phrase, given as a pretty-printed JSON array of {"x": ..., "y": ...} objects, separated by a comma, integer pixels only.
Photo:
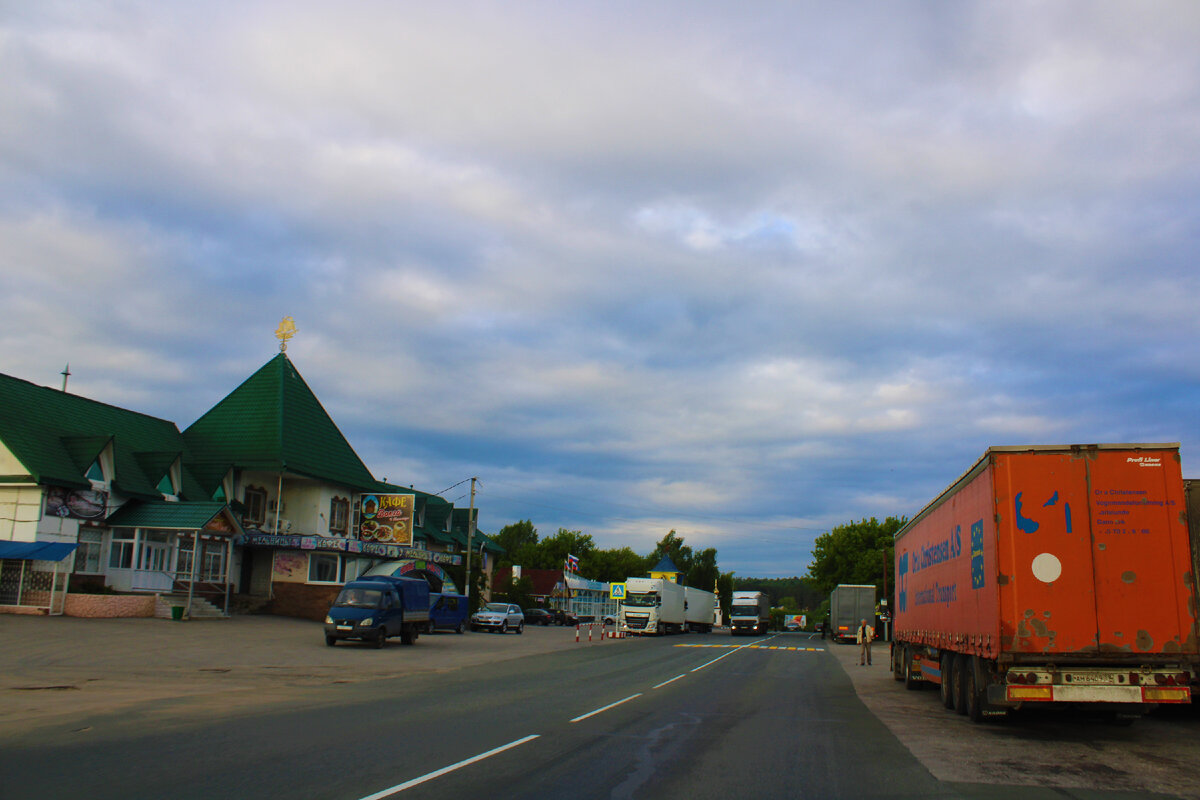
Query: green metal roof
[
  {"x": 273, "y": 422},
  {"x": 56, "y": 436},
  {"x": 167, "y": 514}
]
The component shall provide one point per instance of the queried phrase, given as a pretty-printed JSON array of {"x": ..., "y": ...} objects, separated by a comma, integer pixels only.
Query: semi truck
[
  {"x": 749, "y": 613},
  {"x": 652, "y": 606},
  {"x": 849, "y": 605},
  {"x": 699, "y": 609},
  {"x": 1055, "y": 575}
]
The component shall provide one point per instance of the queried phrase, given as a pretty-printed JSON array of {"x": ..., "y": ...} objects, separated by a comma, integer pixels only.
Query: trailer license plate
[{"x": 1075, "y": 677}]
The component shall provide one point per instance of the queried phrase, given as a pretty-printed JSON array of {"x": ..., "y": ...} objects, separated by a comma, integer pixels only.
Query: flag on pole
[{"x": 572, "y": 563}]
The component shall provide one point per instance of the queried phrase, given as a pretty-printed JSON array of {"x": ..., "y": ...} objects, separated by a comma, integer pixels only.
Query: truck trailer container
[
  {"x": 1053, "y": 575},
  {"x": 699, "y": 609},
  {"x": 749, "y": 613},
  {"x": 652, "y": 605},
  {"x": 849, "y": 605}
]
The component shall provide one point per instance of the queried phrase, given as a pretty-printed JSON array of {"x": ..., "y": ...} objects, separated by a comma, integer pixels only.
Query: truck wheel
[
  {"x": 462, "y": 627},
  {"x": 897, "y": 663},
  {"x": 947, "y": 687},
  {"x": 407, "y": 635},
  {"x": 380, "y": 638},
  {"x": 330, "y": 641},
  {"x": 974, "y": 696},
  {"x": 961, "y": 668},
  {"x": 911, "y": 681}
]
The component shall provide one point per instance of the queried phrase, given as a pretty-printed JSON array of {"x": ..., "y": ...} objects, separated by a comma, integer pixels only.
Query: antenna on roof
[{"x": 66, "y": 373}]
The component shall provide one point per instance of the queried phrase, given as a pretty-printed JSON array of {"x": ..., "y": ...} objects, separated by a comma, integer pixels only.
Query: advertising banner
[
  {"x": 387, "y": 519},
  {"x": 75, "y": 503}
]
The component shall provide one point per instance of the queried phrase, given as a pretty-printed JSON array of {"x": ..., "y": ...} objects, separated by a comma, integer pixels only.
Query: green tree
[
  {"x": 520, "y": 540},
  {"x": 552, "y": 551},
  {"x": 614, "y": 566},
  {"x": 703, "y": 572},
  {"x": 725, "y": 589},
  {"x": 855, "y": 552},
  {"x": 672, "y": 545}
]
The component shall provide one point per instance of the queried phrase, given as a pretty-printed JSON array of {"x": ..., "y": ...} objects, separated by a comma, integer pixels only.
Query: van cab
[
  {"x": 375, "y": 608},
  {"x": 448, "y": 611}
]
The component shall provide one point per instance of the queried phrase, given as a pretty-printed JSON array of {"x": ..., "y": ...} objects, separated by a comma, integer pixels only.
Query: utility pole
[{"x": 470, "y": 534}]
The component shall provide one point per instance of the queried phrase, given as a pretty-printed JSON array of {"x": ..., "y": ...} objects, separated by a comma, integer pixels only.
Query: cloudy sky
[{"x": 745, "y": 271}]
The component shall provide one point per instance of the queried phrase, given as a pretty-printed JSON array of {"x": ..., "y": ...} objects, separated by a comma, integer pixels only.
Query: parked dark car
[
  {"x": 538, "y": 616},
  {"x": 564, "y": 617}
]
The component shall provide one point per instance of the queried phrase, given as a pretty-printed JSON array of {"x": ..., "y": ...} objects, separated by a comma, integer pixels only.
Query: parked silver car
[{"x": 499, "y": 617}]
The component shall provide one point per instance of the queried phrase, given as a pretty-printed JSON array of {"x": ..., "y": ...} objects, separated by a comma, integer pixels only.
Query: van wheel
[
  {"x": 462, "y": 627},
  {"x": 380, "y": 638},
  {"x": 947, "y": 687},
  {"x": 330, "y": 641}
]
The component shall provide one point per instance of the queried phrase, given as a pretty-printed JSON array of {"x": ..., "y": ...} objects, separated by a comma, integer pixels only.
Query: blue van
[
  {"x": 448, "y": 611},
  {"x": 372, "y": 609}
]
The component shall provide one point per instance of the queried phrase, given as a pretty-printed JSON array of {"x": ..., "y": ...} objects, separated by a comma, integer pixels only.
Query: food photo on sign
[{"x": 387, "y": 518}]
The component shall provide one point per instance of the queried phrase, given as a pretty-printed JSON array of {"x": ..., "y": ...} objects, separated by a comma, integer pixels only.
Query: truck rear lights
[
  {"x": 1172, "y": 679},
  {"x": 1023, "y": 677}
]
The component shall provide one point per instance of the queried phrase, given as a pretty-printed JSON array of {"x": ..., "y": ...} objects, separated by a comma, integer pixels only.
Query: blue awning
[{"x": 36, "y": 551}]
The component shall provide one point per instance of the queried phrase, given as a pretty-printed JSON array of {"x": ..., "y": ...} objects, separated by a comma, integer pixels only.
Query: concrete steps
[{"x": 201, "y": 608}]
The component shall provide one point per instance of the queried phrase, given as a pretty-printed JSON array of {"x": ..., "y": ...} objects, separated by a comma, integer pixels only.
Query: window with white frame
[
  {"x": 339, "y": 515},
  {"x": 324, "y": 568},
  {"x": 212, "y": 566},
  {"x": 256, "y": 505},
  {"x": 87, "y": 555},
  {"x": 120, "y": 552},
  {"x": 183, "y": 557}
]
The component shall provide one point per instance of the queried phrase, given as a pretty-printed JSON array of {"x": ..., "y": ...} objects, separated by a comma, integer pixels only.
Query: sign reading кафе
[{"x": 387, "y": 518}]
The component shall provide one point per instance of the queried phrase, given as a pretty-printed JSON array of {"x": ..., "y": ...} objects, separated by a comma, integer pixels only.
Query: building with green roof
[{"x": 263, "y": 486}]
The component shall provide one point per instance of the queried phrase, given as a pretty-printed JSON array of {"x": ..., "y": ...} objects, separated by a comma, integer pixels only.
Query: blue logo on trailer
[{"x": 977, "y": 575}]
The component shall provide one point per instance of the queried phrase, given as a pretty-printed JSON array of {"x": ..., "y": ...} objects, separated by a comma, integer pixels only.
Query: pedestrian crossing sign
[{"x": 616, "y": 591}]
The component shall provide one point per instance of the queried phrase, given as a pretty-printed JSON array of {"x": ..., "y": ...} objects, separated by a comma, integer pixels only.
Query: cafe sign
[{"x": 387, "y": 519}]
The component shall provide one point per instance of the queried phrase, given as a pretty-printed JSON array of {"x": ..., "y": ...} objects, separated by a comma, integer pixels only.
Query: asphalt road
[{"x": 662, "y": 718}]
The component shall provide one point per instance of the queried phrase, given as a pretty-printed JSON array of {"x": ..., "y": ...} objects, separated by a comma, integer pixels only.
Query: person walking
[{"x": 865, "y": 634}]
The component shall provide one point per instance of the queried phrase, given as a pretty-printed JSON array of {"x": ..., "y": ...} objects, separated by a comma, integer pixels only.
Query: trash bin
[{"x": 176, "y": 612}]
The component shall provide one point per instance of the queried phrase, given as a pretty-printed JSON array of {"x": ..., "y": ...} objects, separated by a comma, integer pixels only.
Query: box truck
[
  {"x": 849, "y": 605},
  {"x": 1052, "y": 575},
  {"x": 699, "y": 609},
  {"x": 749, "y": 613},
  {"x": 652, "y": 605}
]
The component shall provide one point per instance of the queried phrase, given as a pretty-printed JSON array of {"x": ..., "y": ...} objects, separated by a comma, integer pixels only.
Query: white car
[{"x": 499, "y": 617}]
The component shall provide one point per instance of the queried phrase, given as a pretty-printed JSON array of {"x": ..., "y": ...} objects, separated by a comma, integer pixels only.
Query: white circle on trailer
[{"x": 1046, "y": 567}]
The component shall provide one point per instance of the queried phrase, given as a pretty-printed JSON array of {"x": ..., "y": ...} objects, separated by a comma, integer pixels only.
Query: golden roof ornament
[{"x": 285, "y": 331}]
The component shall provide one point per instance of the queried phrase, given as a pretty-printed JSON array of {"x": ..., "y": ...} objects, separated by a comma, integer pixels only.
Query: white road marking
[
  {"x": 438, "y": 773},
  {"x": 664, "y": 683},
  {"x": 607, "y": 707}
]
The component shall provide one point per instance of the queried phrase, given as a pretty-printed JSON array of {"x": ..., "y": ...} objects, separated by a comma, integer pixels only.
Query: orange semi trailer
[{"x": 1051, "y": 574}]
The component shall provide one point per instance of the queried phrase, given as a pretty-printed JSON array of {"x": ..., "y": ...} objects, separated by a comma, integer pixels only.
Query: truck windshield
[
  {"x": 646, "y": 600},
  {"x": 359, "y": 598},
  {"x": 744, "y": 611}
]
